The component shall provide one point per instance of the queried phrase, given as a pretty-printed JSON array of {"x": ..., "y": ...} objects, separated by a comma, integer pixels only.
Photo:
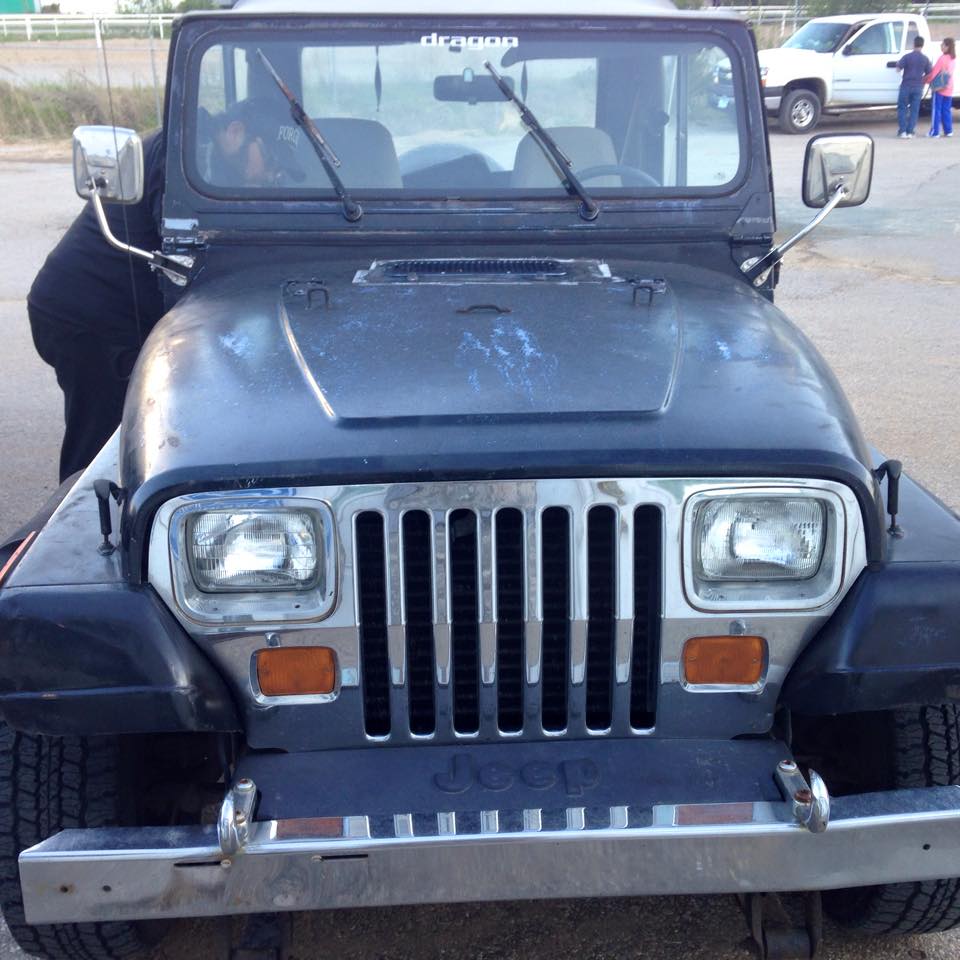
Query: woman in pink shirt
[{"x": 943, "y": 97}]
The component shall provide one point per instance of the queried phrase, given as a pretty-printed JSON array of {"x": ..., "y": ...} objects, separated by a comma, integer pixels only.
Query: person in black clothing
[
  {"x": 90, "y": 308},
  {"x": 914, "y": 66}
]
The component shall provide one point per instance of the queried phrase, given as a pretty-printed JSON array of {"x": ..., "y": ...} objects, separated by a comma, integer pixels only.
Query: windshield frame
[{"x": 324, "y": 200}]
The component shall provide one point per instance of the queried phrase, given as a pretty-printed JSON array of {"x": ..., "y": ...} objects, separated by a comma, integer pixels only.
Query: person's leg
[
  {"x": 947, "y": 116},
  {"x": 902, "y": 107},
  {"x": 935, "y": 116},
  {"x": 914, "y": 111},
  {"x": 93, "y": 391}
]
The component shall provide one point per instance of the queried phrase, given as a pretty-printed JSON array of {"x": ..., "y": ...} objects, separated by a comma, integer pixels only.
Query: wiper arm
[
  {"x": 588, "y": 206},
  {"x": 352, "y": 210}
]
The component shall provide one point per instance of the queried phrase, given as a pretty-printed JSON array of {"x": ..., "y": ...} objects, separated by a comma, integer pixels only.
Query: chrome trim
[
  {"x": 442, "y": 611},
  {"x": 396, "y": 599},
  {"x": 134, "y": 873},
  {"x": 810, "y": 802},
  {"x": 533, "y": 601},
  {"x": 486, "y": 597},
  {"x": 679, "y": 713},
  {"x": 236, "y": 816}
]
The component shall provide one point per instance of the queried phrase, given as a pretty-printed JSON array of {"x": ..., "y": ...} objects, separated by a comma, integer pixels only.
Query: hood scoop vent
[{"x": 483, "y": 270}]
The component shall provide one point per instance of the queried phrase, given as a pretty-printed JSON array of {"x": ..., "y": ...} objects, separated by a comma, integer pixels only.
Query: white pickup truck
[{"x": 832, "y": 64}]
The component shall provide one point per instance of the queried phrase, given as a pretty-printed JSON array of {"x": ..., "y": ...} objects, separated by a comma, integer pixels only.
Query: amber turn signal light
[
  {"x": 296, "y": 671},
  {"x": 728, "y": 660}
]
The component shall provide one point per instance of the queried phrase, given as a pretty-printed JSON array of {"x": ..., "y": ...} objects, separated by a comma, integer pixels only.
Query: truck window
[{"x": 880, "y": 38}]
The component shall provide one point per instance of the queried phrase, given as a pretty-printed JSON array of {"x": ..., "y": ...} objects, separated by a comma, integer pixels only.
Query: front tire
[
  {"x": 800, "y": 111},
  {"x": 48, "y": 784},
  {"x": 924, "y": 751}
]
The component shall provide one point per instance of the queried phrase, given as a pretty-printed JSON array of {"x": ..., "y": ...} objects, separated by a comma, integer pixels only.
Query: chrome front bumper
[{"x": 130, "y": 873}]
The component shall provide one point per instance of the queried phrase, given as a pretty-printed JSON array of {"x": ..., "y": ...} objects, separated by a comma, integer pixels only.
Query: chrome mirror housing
[
  {"x": 838, "y": 160},
  {"x": 110, "y": 159}
]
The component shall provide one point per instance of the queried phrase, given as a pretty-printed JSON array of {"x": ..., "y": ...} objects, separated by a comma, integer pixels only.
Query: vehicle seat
[
  {"x": 368, "y": 158},
  {"x": 585, "y": 146}
]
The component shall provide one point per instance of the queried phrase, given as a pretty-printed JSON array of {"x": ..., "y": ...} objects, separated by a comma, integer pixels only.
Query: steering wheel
[{"x": 633, "y": 176}]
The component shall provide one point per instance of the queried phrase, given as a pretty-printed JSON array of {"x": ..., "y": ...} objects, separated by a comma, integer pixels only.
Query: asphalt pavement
[{"x": 876, "y": 288}]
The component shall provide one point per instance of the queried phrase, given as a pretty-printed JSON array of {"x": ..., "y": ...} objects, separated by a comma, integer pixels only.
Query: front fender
[
  {"x": 895, "y": 639},
  {"x": 82, "y": 650}
]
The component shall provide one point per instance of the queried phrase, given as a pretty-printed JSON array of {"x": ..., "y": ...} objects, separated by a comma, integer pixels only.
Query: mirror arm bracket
[
  {"x": 756, "y": 268},
  {"x": 175, "y": 268}
]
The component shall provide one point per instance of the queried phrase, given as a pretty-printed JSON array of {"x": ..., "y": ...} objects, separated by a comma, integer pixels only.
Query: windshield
[
  {"x": 820, "y": 37},
  {"x": 413, "y": 111}
]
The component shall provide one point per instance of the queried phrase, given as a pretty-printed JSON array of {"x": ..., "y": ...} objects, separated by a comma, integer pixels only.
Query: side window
[
  {"x": 912, "y": 33},
  {"x": 223, "y": 78},
  {"x": 880, "y": 38},
  {"x": 212, "y": 95}
]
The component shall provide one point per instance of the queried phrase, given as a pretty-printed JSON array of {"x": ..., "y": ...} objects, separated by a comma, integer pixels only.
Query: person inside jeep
[{"x": 248, "y": 145}]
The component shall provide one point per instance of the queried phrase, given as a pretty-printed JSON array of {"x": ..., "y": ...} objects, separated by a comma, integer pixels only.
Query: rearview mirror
[
  {"x": 469, "y": 87},
  {"x": 110, "y": 158},
  {"x": 838, "y": 159}
]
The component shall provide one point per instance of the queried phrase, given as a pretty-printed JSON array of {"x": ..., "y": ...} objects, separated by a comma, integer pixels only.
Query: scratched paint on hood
[{"x": 514, "y": 353}]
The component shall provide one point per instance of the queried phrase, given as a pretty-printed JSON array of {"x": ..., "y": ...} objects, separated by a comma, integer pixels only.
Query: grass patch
[{"x": 48, "y": 111}]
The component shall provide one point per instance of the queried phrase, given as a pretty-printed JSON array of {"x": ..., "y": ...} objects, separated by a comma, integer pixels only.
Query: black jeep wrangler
[{"x": 477, "y": 528}]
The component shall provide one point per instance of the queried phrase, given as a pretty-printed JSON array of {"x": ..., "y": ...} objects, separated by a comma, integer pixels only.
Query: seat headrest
[
  {"x": 368, "y": 158},
  {"x": 585, "y": 146}
]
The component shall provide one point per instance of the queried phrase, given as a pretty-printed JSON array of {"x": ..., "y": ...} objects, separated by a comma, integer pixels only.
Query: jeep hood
[{"x": 260, "y": 378}]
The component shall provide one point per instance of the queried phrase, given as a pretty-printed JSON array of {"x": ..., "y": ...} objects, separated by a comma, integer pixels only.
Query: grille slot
[
  {"x": 372, "y": 586},
  {"x": 418, "y": 605},
  {"x": 496, "y": 267},
  {"x": 521, "y": 620},
  {"x": 510, "y": 620},
  {"x": 555, "y": 580},
  {"x": 465, "y": 633},
  {"x": 646, "y": 616},
  {"x": 601, "y": 627}
]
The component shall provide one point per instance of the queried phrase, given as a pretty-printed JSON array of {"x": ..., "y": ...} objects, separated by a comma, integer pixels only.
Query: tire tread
[
  {"x": 49, "y": 784},
  {"x": 925, "y": 746}
]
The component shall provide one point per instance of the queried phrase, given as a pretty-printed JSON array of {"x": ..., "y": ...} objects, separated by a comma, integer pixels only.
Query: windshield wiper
[
  {"x": 588, "y": 206},
  {"x": 352, "y": 210}
]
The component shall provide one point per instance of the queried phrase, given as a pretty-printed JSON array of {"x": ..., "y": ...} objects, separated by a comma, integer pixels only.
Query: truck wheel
[
  {"x": 799, "y": 111},
  {"x": 48, "y": 784},
  {"x": 924, "y": 752}
]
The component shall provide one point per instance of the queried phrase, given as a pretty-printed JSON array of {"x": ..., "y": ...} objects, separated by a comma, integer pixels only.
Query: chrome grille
[{"x": 507, "y": 622}]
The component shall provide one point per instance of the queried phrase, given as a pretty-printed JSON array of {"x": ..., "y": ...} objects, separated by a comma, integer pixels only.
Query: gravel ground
[{"x": 875, "y": 288}]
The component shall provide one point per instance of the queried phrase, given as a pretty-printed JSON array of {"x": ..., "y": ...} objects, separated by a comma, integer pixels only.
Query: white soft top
[{"x": 495, "y": 8}]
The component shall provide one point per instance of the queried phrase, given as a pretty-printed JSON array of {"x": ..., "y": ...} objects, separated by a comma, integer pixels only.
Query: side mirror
[
  {"x": 111, "y": 158},
  {"x": 838, "y": 159}
]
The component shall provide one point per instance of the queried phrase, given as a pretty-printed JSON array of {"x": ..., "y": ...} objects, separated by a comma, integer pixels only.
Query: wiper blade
[
  {"x": 352, "y": 210},
  {"x": 589, "y": 209}
]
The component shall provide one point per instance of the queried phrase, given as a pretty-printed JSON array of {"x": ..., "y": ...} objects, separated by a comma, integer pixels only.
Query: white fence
[
  {"x": 58, "y": 26},
  {"x": 55, "y": 26}
]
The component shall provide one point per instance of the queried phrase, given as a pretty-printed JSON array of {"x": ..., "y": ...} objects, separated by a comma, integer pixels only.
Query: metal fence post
[{"x": 29, "y": 23}]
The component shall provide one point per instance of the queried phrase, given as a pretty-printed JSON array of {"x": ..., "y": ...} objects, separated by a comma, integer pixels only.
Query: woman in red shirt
[{"x": 943, "y": 95}]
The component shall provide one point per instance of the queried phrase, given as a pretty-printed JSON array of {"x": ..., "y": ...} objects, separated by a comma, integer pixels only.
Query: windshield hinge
[{"x": 181, "y": 234}]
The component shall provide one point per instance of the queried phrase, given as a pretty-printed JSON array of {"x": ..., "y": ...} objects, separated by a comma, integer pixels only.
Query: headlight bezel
[
  {"x": 251, "y": 606},
  {"x": 775, "y": 594}
]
